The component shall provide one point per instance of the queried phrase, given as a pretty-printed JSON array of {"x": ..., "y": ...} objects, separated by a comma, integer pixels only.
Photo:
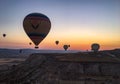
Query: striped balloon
[{"x": 36, "y": 26}]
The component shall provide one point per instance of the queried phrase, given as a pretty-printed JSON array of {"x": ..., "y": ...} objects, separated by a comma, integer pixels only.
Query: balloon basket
[{"x": 36, "y": 47}]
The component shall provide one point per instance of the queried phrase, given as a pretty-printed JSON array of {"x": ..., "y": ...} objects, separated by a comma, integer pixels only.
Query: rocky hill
[{"x": 66, "y": 68}]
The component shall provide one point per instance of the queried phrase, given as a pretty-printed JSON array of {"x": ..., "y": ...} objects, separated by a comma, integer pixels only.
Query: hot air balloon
[
  {"x": 57, "y": 42},
  {"x": 30, "y": 43},
  {"x": 20, "y": 51},
  {"x": 65, "y": 47},
  {"x": 36, "y": 26},
  {"x": 68, "y": 45},
  {"x": 4, "y": 35},
  {"x": 95, "y": 47}
]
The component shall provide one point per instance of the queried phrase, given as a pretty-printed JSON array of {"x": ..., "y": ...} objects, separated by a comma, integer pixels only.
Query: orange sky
[
  {"x": 77, "y": 23},
  {"x": 76, "y": 42}
]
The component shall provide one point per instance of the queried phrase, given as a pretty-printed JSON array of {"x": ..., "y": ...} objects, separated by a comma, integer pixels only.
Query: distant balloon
[
  {"x": 4, "y": 35},
  {"x": 95, "y": 47},
  {"x": 65, "y": 47},
  {"x": 68, "y": 45},
  {"x": 30, "y": 43},
  {"x": 20, "y": 51},
  {"x": 57, "y": 42},
  {"x": 36, "y": 26}
]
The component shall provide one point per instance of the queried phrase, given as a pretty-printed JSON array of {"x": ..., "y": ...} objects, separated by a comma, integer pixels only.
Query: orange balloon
[{"x": 36, "y": 26}]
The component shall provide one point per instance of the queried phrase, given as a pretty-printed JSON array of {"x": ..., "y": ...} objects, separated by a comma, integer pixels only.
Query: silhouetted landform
[
  {"x": 15, "y": 53},
  {"x": 66, "y": 68}
]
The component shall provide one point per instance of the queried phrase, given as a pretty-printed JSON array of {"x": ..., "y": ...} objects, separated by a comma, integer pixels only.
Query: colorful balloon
[{"x": 36, "y": 26}]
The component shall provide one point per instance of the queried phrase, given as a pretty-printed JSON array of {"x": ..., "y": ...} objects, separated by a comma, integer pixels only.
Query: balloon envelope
[{"x": 36, "y": 26}]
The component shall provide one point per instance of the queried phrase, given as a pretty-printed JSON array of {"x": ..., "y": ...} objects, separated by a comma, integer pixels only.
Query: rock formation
[{"x": 69, "y": 68}]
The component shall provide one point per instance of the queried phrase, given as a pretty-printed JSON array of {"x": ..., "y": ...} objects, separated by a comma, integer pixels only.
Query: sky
[{"x": 78, "y": 23}]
